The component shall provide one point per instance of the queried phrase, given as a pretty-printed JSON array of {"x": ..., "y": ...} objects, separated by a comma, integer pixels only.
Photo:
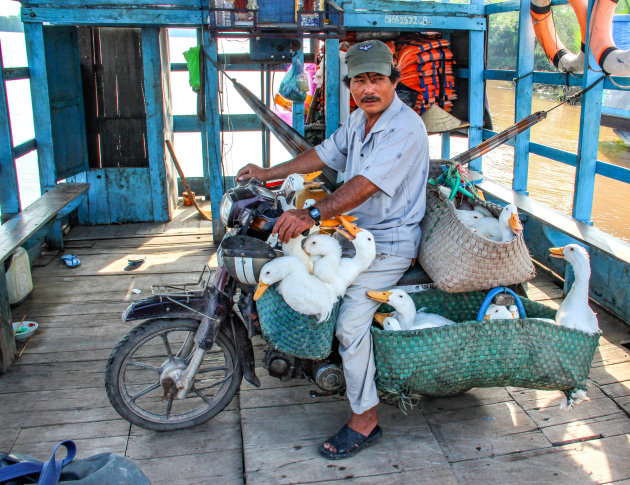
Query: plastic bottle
[{"x": 18, "y": 276}]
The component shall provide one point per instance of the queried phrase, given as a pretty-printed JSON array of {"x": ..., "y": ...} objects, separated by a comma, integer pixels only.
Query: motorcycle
[{"x": 185, "y": 363}]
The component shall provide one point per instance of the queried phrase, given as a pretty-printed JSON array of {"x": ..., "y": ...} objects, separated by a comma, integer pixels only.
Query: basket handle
[{"x": 494, "y": 292}]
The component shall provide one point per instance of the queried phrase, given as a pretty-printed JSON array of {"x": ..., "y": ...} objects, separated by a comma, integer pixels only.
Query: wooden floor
[{"x": 271, "y": 435}]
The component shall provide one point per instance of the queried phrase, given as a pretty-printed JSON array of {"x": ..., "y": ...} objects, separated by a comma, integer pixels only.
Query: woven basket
[
  {"x": 445, "y": 361},
  {"x": 458, "y": 260},
  {"x": 292, "y": 332}
]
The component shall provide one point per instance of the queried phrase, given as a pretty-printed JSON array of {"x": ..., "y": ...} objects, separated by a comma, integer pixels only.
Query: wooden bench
[{"x": 56, "y": 203}]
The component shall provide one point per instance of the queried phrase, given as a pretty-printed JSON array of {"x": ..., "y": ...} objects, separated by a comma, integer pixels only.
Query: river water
[
  {"x": 549, "y": 181},
  {"x": 553, "y": 182}
]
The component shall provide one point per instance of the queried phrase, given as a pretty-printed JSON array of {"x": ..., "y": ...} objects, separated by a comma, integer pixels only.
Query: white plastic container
[{"x": 18, "y": 276}]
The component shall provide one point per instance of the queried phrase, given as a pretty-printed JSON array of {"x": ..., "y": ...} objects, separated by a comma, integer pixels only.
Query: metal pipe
[{"x": 499, "y": 139}]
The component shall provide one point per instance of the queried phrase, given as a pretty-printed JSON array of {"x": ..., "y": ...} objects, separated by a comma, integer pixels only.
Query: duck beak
[
  {"x": 329, "y": 223},
  {"x": 344, "y": 233},
  {"x": 352, "y": 229},
  {"x": 557, "y": 252},
  {"x": 382, "y": 296},
  {"x": 515, "y": 224},
  {"x": 380, "y": 318},
  {"x": 313, "y": 185},
  {"x": 487, "y": 317},
  {"x": 260, "y": 289},
  {"x": 309, "y": 177}
]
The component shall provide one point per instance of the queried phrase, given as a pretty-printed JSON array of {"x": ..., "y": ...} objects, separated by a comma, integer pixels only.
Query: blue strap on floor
[{"x": 49, "y": 471}]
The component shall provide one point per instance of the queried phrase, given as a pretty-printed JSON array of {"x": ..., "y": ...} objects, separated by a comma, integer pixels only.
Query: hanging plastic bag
[
  {"x": 192, "y": 62},
  {"x": 294, "y": 86}
]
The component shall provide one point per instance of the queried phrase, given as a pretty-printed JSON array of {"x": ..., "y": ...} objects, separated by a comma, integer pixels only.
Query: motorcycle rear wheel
[{"x": 132, "y": 376}]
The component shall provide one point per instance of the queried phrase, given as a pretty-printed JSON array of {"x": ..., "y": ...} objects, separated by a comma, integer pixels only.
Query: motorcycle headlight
[{"x": 225, "y": 209}]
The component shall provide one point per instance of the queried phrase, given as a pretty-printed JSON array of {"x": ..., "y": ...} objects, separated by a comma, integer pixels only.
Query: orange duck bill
[
  {"x": 557, "y": 252},
  {"x": 380, "y": 317},
  {"x": 349, "y": 230},
  {"x": 515, "y": 224},
  {"x": 382, "y": 296},
  {"x": 260, "y": 289}
]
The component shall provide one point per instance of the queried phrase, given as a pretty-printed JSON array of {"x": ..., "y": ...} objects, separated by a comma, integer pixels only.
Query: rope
[
  {"x": 517, "y": 79},
  {"x": 576, "y": 95}
]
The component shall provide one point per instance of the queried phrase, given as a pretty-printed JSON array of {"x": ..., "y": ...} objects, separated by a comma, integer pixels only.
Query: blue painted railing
[{"x": 9, "y": 191}]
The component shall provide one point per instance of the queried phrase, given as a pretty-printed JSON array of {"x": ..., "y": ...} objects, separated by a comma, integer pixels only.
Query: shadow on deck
[{"x": 271, "y": 435}]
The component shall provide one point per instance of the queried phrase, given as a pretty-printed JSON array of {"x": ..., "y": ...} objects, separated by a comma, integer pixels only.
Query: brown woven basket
[{"x": 459, "y": 260}]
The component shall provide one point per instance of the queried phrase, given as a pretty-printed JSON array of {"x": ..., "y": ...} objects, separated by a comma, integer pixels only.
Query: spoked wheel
[{"x": 139, "y": 372}]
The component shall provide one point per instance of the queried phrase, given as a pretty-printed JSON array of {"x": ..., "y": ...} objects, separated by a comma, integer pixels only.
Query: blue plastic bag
[{"x": 295, "y": 83}]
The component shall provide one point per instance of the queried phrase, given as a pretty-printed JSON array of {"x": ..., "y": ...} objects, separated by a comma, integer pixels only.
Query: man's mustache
[{"x": 370, "y": 98}]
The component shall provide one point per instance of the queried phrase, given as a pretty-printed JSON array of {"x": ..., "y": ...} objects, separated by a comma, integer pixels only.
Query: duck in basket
[
  {"x": 561, "y": 350},
  {"x": 317, "y": 293}
]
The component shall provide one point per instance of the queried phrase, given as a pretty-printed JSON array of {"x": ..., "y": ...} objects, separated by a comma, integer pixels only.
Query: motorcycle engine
[
  {"x": 329, "y": 377},
  {"x": 281, "y": 365}
]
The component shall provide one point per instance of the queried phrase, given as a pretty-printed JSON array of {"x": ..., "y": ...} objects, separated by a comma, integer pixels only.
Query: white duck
[
  {"x": 365, "y": 251},
  {"x": 469, "y": 217},
  {"x": 406, "y": 315},
  {"x": 503, "y": 229},
  {"x": 498, "y": 312},
  {"x": 574, "y": 311},
  {"x": 294, "y": 248},
  {"x": 293, "y": 184},
  {"x": 303, "y": 292},
  {"x": 326, "y": 254}
]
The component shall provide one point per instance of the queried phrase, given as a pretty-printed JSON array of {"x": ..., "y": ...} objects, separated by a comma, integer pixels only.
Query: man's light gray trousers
[{"x": 353, "y": 328}]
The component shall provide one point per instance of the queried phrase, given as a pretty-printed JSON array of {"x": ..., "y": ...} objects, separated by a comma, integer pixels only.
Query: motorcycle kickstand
[{"x": 188, "y": 376}]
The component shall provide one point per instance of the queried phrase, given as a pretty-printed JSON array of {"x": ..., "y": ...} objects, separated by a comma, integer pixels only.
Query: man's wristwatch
[{"x": 315, "y": 215}]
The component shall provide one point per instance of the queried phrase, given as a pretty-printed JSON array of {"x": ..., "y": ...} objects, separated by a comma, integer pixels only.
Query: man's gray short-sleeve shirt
[{"x": 394, "y": 156}]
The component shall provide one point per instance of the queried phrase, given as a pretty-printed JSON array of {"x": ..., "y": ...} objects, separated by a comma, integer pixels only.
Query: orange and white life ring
[
  {"x": 613, "y": 61},
  {"x": 547, "y": 36}
]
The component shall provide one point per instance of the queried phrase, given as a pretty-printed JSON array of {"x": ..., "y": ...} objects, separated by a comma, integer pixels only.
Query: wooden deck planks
[{"x": 271, "y": 435}]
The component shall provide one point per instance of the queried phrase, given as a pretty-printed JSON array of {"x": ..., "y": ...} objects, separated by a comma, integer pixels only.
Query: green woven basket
[
  {"x": 292, "y": 332},
  {"x": 446, "y": 361}
]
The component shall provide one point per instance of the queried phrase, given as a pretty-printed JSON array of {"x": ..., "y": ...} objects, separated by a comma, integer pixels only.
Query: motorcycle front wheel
[{"x": 155, "y": 347}]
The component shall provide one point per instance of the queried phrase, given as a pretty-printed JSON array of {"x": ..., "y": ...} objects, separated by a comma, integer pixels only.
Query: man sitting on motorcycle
[{"x": 383, "y": 151}]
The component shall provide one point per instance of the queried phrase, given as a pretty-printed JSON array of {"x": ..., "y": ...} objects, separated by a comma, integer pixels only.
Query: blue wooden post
[
  {"x": 34, "y": 37},
  {"x": 332, "y": 86},
  {"x": 588, "y": 141},
  {"x": 298, "y": 108},
  {"x": 446, "y": 145},
  {"x": 36, "y": 54},
  {"x": 476, "y": 93},
  {"x": 210, "y": 137},
  {"x": 9, "y": 191},
  {"x": 155, "y": 121},
  {"x": 523, "y": 103}
]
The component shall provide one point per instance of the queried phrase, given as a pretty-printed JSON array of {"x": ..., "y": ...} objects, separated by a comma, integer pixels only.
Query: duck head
[
  {"x": 321, "y": 245},
  {"x": 498, "y": 312},
  {"x": 400, "y": 301},
  {"x": 274, "y": 271},
  {"x": 298, "y": 181},
  {"x": 509, "y": 218},
  {"x": 576, "y": 255}
]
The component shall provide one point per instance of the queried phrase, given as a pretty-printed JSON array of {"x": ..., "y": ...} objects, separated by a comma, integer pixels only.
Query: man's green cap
[{"x": 369, "y": 56}]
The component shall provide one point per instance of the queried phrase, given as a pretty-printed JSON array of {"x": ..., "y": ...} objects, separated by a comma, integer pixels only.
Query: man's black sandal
[{"x": 347, "y": 442}]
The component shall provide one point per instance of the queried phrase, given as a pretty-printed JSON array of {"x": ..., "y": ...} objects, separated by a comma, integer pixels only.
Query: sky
[{"x": 9, "y": 7}]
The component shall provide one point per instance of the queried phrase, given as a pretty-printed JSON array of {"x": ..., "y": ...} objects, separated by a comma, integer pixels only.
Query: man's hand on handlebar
[
  {"x": 252, "y": 171},
  {"x": 292, "y": 223}
]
